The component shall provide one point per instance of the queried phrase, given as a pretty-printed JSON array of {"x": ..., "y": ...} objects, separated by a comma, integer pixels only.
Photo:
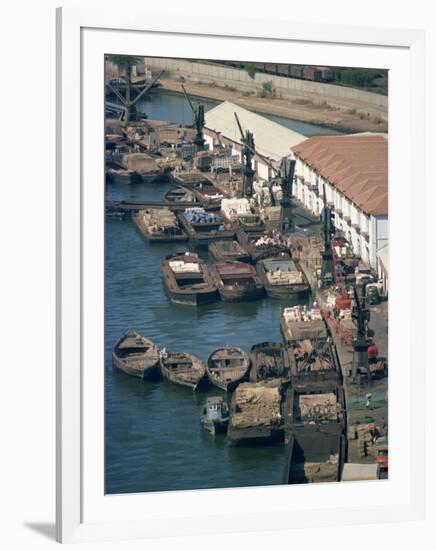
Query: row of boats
[{"x": 225, "y": 367}]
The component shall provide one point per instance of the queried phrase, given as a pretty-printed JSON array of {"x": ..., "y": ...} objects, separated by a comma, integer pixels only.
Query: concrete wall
[{"x": 241, "y": 80}]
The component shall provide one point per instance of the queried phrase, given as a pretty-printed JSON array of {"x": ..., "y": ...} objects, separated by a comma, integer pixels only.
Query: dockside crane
[
  {"x": 327, "y": 267},
  {"x": 361, "y": 317},
  {"x": 248, "y": 152},
  {"x": 198, "y": 121}
]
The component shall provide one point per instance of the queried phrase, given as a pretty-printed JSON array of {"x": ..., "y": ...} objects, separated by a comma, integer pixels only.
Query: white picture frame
[{"x": 80, "y": 514}]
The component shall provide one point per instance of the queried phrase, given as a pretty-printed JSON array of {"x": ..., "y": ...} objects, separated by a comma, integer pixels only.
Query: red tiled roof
[{"x": 356, "y": 165}]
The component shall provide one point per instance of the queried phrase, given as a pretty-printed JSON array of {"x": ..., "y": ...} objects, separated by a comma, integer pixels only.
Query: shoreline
[{"x": 302, "y": 110}]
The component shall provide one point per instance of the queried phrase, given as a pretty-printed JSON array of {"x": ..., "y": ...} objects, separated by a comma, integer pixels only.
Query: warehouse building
[
  {"x": 271, "y": 140},
  {"x": 354, "y": 171}
]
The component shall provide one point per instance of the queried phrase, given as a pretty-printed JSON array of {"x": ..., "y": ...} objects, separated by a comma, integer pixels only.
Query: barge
[
  {"x": 188, "y": 280},
  {"x": 179, "y": 194},
  {"x": 282, "y": 277},
  {"x": 236, "y": 281},
  {"x": 314, "y": 361},
  {"x": 314, "y": 456},
  {"x": 136, "y": 355},
  {"x": 204, "y": 227},
  {"x": 260, "y": 245},
  {"x": 298, "y": 323},
  {"x": 227, "y": 367},
  {"x": 123, "y": 176},
  {"x": 159, "y": 225},
  {"x": 255, "y": 414},
  {"x": 215, "y": 415},
  {"x": 223, "y": 251},
  {"x": 269, "y": 360},
  {"x": 184, "y": 369}
]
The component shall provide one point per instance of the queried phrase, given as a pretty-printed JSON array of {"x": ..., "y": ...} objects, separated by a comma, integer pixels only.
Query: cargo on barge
[
  {"x": 260, "y": 245},
  {"x": 236, "y": 281},
  {"x": 188, "y": 280},
  {"x": 255, "y": 414},
  {"x": 204, "y": 227},
  {"x": 269, "y": 360},
  {"x": 282, "y": 277},
  {"x": 299, "y": 323},
  {"x": 159, "y": 225}
]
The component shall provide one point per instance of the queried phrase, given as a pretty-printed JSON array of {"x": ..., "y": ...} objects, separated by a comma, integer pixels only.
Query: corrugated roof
[
  {"x": 357, "y": 165},
  {"x": 270, "y": 138}
]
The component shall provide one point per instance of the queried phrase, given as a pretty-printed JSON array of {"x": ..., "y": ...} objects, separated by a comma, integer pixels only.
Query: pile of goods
[
  {"x": 317, "y": 472},
  {"x": 268, "y": 240},
  {"x": 256, "y": 404},
  {"x": 298, "y": 314},
  {"x": 200, "y": 215},
  {"x": 140, "y": 162},
  {"x": 232, "y": 208},
  {"x": 279, "y": 277},
  {"x": 318, "y": 408},
  {"x": 179, "y": 266},
  {"x": 159, "y": 219}
]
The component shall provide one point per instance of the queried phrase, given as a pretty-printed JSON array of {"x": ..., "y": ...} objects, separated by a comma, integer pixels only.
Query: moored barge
[
  {"x": 136, "y": 355},
  {"x": 223, "y": 251},
  {"x": 282, "y": 278},
  {"x": 159, "y": 225},
  {"x": 188, "y": 280},
  {"x": 269, "y": 360},
  {"x": 236, "y": 281},
  {"x": 298, "y": 323},
  {"x": 179, "y": 194},
  {"x": 227, "y": 367},
  {"x": 260, "y": 245},
  {"x": 204, "y": 227}
]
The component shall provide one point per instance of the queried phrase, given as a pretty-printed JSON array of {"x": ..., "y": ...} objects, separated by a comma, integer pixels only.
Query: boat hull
[
  {"x": 215, "y": 427},
  {"x": 147, "y": 372},
  {"x": 192, "y": 298},
  {"x": 241, "y": 294}
]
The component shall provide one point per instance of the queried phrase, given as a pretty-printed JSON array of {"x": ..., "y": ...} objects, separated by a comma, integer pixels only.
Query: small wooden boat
[
  {"x": 123, "y": 176},
  {"x": 179, "y": 194},
  {"x": 188, "y": 280},
  {"x": 204, "y": 227},
  {"x": 183, "y": 368},
  {"x": 215, "y": 415},
  {"x": 260, "y": 245},
  {"x": 227, "y": 367},
  {"x": 159, "y": 225},
  {"x": 269, "y": 360},
  {"x": 136, "y": 355},
  {"x": 223, "y": 251},
  {"x": 189, "y": 178},
  {"x": 282, "y": 277},
  {"x": 236, "y": 281}
]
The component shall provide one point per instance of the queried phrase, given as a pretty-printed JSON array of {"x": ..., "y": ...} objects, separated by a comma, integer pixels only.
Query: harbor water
[{"x": 153, "y": 438}]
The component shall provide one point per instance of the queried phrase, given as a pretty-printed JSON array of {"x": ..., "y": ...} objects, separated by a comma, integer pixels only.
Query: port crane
[
  {"x": 284, "y": 174},
  {"x": 327, "y": 267},
  {"x": 361, "y": 317},
  {"x": 128, "y": 110},
  {"x": 199, "y": 140}
]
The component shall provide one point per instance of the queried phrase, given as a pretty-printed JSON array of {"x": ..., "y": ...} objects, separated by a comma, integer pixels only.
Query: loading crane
[
  {"x": 327, "y": 267},
  {"x": 361, "y": 317},
  {"x": 198, "y": 121}
]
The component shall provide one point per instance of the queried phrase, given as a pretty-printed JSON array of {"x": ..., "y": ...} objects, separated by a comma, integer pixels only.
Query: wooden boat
[
  {"x": 282, "y": 277},
  {"x": 189, "y": 179},
  {"x": 208, "y": 193},
  {"x": 236, "y": 281},
  {"x": 223, "y": 251},
  {"x": 136, "y": 355},
  {"x": 144, "y": 165},
  {"x": 159, "y": 225},
  {"x": 184, "y": 369},
  {"x": 269, "y": 360},
  {"x": 204, "y": 227},
  {"x": 188, "y": 280},
  {"x": 215, "y": 415},
  {"x": 179, "y": 194},
  {"x": 260, "y": 245},
  {"x": 123, "y": 176},
  {"x": 227, "y": 367}
]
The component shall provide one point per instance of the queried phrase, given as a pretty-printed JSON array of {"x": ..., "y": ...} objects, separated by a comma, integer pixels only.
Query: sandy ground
[{"x": 324, "y": 110}]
